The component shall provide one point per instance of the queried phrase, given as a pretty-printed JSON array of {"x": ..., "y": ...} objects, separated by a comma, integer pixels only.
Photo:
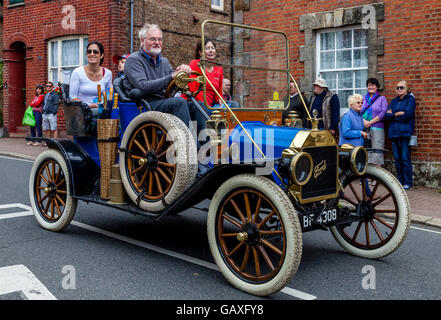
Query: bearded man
[{"x": 151, "y": 73}]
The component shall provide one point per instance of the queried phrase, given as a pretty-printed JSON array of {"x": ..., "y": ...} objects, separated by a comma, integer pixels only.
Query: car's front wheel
[{"x": 254, "y": 234}]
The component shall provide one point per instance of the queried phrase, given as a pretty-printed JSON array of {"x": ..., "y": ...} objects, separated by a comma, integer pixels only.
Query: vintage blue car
[{"x": 267, "y": 181}]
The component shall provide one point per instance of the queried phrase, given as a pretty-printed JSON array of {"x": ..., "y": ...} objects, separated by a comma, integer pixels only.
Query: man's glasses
[
  {"x": 400, "y": 88},
  {"x": 89, "y": 51},
  {"x": 49, "y": 86},
  {"x": 359, "y": 102},
  {"x": 153, "y": 39}
]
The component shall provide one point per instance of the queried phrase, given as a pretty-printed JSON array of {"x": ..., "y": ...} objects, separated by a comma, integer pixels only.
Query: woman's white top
[{"x": 81, "y": 87}]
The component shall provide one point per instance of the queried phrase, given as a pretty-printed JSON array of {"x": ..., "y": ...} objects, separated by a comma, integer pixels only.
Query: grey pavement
[{"x": 425, "y": 202}]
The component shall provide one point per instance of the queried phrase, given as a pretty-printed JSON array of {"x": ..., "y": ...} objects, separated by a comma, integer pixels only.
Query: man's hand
[
  {"x": 182, "y": 67},
  {"x": 364, "y": 134},
  {"x": 399, "y": 113},
  {"x": 332, "y": 132}
]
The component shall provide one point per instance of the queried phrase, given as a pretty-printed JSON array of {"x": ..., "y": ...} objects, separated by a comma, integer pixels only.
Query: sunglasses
[
  {"x": 400, "y": 88},
  {"x": 50, "y": 86},
  {"x": 89, "y": 51}
]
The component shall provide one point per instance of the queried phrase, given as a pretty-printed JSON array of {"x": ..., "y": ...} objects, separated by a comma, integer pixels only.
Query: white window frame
[
  {"x": 81, "y": 55},
  {"x": 219, "y": 7},
  {"x": 343, "y": 107}
]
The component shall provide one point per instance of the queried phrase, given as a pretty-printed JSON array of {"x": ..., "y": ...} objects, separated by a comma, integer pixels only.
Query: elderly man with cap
[{"x": 327, "y": 105}]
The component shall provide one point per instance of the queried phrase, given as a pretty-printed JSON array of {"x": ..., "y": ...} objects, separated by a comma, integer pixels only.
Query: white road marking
[
  {"x": 19, "y": 278},
  {"x": 298, "y": 294},
  {"x": 13, "y": 158},
  {"x": 422, "y": 229},
  {"x": 15, "y": 205},
  {"x": 212, "y": 266},
  {"x": 28, "y": 211},
  {"x": 16, "y": 214}
]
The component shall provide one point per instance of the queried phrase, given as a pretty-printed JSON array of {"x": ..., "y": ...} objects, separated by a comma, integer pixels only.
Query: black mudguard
[{"x": 84, "y": 172}]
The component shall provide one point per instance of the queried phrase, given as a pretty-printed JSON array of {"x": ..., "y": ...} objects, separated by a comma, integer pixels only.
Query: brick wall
[
  {"x": 412, "y": 51},
  {"x": 181, "y": 24},
  {"x": 37, "y": 22}
]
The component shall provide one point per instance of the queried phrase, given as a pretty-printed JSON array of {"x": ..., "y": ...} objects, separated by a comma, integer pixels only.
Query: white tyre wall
[
  {"x": 49, "y": 158},
  {"x": 291, "y": 225},
  {"x": 402, "y": 223},
  {"x": 186, "y": 158}
]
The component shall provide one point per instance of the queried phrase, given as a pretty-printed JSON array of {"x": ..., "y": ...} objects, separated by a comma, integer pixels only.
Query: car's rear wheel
[
  {"x": 49, "y": 191},
  {"x": 254, "y": 234},
  {"x": 158, "y": 161},
  {"x": 383, "y": 209}
]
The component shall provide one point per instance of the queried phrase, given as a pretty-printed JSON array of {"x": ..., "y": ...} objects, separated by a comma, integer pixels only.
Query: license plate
[{"x": 326, "y": 217}]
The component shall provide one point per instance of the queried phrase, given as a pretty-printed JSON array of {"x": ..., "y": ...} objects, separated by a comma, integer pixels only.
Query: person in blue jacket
[
  {"x": 401, "y": 114},
  {"x": 351, "y": 128}
]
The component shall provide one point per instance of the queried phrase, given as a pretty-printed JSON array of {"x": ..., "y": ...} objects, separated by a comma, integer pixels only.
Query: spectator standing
[
  {"x": 226, "y": 89},
  {"x": 50, "y": 109},
  {"x": 373, "y": 111},
  {"x": 401, "y": 114},
  {"x": 327, "y": 105},
  {"x": 37, "y": 108},
  {"x": 351, "y": 128},
  {"x": 295, "y": 103}
]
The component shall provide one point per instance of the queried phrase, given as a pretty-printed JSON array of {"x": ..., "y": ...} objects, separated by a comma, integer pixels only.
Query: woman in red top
[
  {"x": 37, "y": 108},
  {"x": 214, "y": 73}
]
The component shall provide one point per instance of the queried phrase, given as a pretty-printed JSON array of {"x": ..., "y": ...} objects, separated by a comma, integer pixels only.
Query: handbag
[
  {"x": 413, "y": 141},
  {"x": 28, "y": 118}
]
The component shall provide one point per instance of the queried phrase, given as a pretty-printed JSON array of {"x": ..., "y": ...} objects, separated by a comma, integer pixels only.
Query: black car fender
[{"x": 83, "y": 170}]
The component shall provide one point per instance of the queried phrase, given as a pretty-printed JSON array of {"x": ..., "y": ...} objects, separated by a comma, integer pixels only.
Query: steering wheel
[{"x": 180, "y": 82}]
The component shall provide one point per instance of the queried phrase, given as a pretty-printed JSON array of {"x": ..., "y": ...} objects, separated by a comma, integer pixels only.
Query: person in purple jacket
[{"x": 373, "y": 111}]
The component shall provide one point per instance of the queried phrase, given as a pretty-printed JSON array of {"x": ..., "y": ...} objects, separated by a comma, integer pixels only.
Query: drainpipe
[
  {"x": 231, "y": 48},
  {"x": 131, "y": 26}
]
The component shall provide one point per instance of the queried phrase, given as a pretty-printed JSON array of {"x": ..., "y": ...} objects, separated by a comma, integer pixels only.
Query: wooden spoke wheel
[
  {"x": 254, "y": 234},
  {"x": 160, "y": 160},
  {"x": 382, "y": 208},
  {"x": 147, "y": 163},
  {"x": 49, "y": 190}
]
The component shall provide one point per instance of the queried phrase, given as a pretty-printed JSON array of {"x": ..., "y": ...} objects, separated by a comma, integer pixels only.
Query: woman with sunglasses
[
  {"x": 401, "y": 114},
  {"x": 37, "y": 107},
  {"x": 84, "y": 79}
]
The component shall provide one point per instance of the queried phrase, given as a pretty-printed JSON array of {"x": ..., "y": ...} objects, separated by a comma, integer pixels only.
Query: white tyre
[
  {"x": 384, "y": 214},
  {"x": 254, "y": 234},
  {"x": 158, "y": 161},
  {"x": 49, "y": 191}
]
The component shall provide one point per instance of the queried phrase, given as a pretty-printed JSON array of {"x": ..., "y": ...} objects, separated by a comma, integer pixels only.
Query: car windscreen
[{"x": 254, "y": 62}]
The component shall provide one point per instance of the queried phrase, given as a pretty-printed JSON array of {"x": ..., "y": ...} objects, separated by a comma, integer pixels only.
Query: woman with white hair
[{"x": 351, "y": 126}]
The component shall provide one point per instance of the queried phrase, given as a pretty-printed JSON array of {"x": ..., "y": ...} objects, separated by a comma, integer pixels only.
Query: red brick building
[
  {"x": 46, "y": 39},
  {"x": 345, "y": 41}
]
